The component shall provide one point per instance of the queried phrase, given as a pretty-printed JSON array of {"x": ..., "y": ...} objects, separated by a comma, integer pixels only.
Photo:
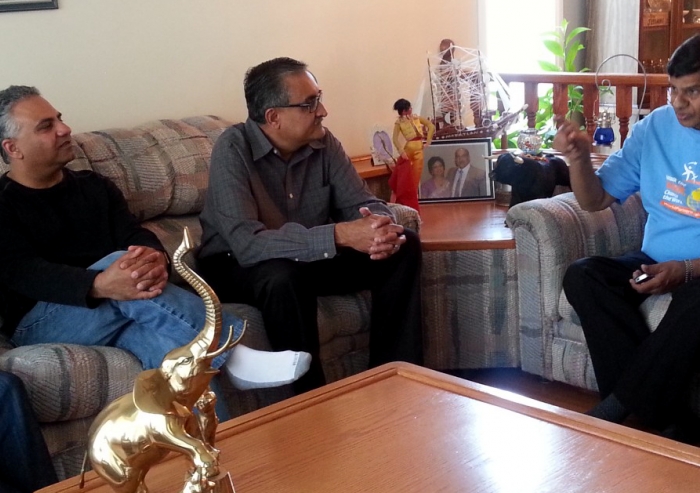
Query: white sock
[{"x": 252, "y": 369}]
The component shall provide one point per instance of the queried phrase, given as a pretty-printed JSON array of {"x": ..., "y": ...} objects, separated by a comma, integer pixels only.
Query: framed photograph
[
  {"x": 456, "y": 170},
  {"x": 16, "y": 5},
  {"x": 381, "y": 146}
]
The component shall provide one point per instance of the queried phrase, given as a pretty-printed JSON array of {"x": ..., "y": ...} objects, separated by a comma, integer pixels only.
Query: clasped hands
[
  {"x": 140, "y": 274},
  {"x": 373, "y": 234}
]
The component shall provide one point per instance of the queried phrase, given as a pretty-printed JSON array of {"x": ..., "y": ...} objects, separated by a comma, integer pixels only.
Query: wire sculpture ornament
[{"x": 464, "y": 94}]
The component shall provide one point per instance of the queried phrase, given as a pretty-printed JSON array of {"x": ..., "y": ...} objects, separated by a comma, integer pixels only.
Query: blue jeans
[
  {"x": 148, "y": 329},
  {"x": 26, "y": 465}
]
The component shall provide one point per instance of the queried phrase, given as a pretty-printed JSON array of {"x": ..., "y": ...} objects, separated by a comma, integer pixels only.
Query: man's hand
[
  {"x": 575, "y": 144},
  {"x": 666, "y": 277},
  {"x": 117, "y": 284},
  {"x": 148, "y": 267},
  {"x": 389, "y": 237},
  {"x": 373, "y": 234}
]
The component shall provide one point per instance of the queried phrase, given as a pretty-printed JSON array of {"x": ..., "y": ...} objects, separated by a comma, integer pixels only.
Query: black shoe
[
  {"x": 684, "y": 431},
  {"x": 609, "y": 409}
]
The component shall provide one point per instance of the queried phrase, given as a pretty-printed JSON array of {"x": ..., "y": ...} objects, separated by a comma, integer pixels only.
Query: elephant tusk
[{"x": 229, "y": 343}]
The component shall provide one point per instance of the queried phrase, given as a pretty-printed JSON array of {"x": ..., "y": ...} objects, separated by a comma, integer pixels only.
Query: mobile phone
[{"x": 642, "y": 278}]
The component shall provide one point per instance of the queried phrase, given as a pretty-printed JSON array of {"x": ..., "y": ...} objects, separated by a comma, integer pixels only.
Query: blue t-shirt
[{"x": 660, "y": 159}]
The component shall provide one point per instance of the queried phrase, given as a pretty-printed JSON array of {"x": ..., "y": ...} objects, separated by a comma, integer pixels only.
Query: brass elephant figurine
[{"x": 170, "y": 409}]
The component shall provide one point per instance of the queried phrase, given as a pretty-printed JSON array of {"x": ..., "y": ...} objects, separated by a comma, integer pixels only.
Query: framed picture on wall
[
  {"x": 456, "y": 170},
  {"x": 16, "y": 5}
]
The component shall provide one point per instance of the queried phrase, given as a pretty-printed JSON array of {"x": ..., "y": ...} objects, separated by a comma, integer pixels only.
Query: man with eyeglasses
[
  {"x": 287, "y": 218},
  {"x": 640, "y": 372}
]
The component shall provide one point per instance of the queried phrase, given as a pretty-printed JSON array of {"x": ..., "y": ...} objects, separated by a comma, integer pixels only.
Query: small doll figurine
[{"x": 410, "y": 126}]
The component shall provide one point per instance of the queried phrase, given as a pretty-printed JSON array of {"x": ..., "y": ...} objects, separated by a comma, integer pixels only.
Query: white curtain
[{"x": 614, "y": 29}]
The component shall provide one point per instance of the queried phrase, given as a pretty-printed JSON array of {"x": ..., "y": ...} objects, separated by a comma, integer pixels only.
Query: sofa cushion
[
  {"x": 162, "y": 167},
  {"x": 169, "y": 230}
]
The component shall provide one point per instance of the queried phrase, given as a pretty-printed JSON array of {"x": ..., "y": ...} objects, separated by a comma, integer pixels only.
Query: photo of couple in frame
[{"x": 456, "y": 170}]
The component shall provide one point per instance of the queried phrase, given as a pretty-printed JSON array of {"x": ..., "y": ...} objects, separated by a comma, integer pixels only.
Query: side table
[{"x": 470, "y": 291}]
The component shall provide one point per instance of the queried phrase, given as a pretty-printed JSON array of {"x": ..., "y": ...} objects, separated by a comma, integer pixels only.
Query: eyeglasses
[{"x": 311, "y": 106}]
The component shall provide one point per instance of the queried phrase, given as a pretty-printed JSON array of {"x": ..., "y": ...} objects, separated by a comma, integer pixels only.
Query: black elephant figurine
[{"x": 531, "y": 177}]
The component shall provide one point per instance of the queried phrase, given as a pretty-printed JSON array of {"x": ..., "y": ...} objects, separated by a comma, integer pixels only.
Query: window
[
  {"x": 511, "y": 38},
  {"x": 510, "y": 32}
]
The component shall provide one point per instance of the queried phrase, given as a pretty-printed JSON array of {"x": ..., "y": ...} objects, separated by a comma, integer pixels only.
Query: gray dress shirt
[{"x": 260, "y": 207}]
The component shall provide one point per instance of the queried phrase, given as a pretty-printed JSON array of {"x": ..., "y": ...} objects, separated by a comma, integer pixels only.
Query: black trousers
[
  {"x": 286, "y": 294},
  {"x": 649, "y": 372}
]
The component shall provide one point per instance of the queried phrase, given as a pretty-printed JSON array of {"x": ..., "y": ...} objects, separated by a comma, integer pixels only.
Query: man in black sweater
[{"x": 76, "y": 266}]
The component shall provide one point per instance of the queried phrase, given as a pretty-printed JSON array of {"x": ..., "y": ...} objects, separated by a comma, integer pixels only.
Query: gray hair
[
  {"x": 8, "y": 99},
  {"x": 265, "y": 88}
]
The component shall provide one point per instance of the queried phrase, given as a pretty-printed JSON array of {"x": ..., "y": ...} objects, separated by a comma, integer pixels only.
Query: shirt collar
[{"x": 260, "y": 146}]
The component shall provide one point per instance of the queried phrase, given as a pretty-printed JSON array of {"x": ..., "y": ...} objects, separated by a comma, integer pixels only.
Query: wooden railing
[{"x": 656, "y": 94}]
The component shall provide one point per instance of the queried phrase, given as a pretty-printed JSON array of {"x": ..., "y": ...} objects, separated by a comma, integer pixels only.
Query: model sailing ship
[{"x": 460, "y": 85}]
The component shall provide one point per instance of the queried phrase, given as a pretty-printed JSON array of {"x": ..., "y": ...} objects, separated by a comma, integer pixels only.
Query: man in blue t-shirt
[{"x": 639, "y": 372}]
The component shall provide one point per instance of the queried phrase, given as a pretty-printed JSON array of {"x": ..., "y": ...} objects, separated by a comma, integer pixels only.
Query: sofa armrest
[
  {"x": 70, "y": 381},
  {"x": 406, "y": 216},
  {"x": 549, "y": 235}
]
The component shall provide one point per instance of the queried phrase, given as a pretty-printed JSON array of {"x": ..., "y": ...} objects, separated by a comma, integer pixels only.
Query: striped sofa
[{"x": 162, "y": 169}]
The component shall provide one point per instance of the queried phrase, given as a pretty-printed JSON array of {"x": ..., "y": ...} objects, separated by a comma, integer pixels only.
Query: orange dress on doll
[{"x": 411, "y": 128}]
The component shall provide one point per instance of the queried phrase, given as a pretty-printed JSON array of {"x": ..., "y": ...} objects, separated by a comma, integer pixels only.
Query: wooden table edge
[
  {"x": 501, "y": 398},
  {"x": 507, "y": 400}
]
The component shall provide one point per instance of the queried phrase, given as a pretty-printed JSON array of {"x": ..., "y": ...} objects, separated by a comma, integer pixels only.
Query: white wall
[{"x": 110, "y": 63}]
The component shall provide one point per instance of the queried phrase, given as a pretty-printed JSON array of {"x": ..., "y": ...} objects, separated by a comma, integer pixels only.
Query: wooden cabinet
[{"x": 663, "y": 25}]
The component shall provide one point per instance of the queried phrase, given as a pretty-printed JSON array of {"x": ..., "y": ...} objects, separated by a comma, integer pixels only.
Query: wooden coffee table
[{"x": 402, "y": 428}]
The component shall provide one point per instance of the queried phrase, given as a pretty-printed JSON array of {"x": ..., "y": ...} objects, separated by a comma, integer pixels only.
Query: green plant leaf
[
  {"x": 548, "y": 66},
  {"x": 575, "y": 33},
  {"x": 571, "y": 57},
  {"x": 554, "y": 47}
]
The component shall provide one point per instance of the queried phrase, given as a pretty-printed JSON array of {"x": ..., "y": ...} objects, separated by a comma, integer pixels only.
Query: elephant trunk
[{"x": 208, "y": 337}]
